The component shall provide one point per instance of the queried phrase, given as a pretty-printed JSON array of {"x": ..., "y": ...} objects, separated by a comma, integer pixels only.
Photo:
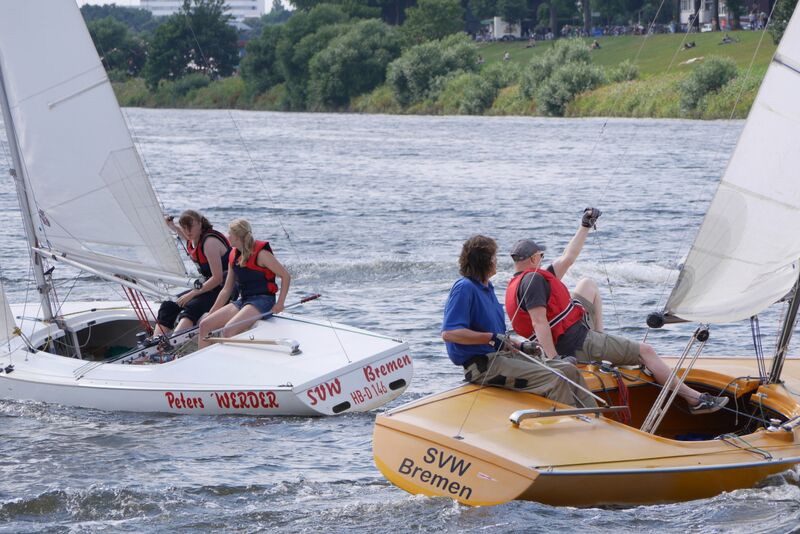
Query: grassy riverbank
[{"x": 661, "y": 60}]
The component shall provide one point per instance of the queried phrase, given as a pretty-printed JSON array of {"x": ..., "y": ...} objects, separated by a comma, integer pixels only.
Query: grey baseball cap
[{"x": 524, "y": 249}]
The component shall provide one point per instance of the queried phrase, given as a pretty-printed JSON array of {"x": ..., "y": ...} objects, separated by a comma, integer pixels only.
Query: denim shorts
[{"x": 263, "y": 303}]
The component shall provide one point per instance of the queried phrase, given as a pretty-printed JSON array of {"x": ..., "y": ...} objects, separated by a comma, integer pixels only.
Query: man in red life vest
[
  {"x": 541, "y": 308},
  {"x": 473, "y": 328}
]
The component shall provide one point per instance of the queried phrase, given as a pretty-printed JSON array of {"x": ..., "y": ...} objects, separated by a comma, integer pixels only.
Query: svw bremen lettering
[{"x": 442, "y": 459}]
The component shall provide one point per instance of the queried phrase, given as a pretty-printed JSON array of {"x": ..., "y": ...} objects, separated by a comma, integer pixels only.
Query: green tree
[
  {"x": 138, "y": 20},
  {"x": 277, "y": 16},
  {"x": 586, "y": 9},
  {"x": 353, "y": 63},
  {"x": 512, "y": 10},
  {"x": 780, "y": 18},
  {"x": 259, "y": 67},
  {"x": 709, "y": 77},
  {"x": 416, "y": 74},
  {"x": 305, "y": 34},
  {"x": 483, "y": 9},
  {"x": 433, "y": 19},
  {"x": 196, "y": 39},
  {"x": 118, "y": 49}
]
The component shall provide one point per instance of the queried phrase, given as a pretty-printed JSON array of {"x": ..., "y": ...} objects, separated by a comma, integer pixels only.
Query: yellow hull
[{"x": 461, "y": 444}]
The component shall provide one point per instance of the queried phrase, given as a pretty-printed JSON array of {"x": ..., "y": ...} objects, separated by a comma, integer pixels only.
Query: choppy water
[{"x": 371, "y": 211}]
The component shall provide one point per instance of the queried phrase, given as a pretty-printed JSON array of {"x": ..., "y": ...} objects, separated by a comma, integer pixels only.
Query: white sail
[
  {"x": 7, "y": 323},
  {"x": 747, "y": 252},
  {"x": 90, "y": 197}
]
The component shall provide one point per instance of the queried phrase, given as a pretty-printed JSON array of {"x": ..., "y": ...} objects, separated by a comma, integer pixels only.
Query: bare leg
[
  {"x": 243, "y": 320},
  {"x": 161, "y": 330},
  {"x": 184, "y": 324},
  {"x": 218, "y": 319},
  {"x": 661, "y": 372},
  {"x": 587, "y": 288}
]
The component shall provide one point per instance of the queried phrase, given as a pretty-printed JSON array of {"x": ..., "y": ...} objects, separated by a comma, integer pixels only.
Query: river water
[{"x": 371, "y": 212}]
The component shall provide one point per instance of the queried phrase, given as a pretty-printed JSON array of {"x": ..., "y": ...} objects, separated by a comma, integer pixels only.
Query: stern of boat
[{"x": 367, "y": 385}]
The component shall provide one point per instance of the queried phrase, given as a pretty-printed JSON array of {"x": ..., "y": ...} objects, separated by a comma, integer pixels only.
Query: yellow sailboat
[{"x": 485, "y": 445}]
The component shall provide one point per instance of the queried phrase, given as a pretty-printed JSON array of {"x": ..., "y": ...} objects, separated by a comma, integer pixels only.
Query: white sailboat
[
  {"x": 485, "y": 446},
  {"x": 87, "y": 202}
]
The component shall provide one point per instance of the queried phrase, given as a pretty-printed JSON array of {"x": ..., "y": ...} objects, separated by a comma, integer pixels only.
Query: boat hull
[
  {"x": 462, "y": 444},
  {"x": 337, "y": 369}
]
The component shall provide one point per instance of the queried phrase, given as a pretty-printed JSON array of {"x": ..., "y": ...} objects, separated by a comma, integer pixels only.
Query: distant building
[
  {"x": 725, "y": 22},
  {"x": 239, "y": 9}
]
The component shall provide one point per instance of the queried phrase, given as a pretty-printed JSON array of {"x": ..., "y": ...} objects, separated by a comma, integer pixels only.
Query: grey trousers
[{"x": 514, "y": 371}]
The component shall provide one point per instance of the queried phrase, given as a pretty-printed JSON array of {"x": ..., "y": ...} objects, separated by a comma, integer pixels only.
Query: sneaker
[{"x": 708, "y": 404}]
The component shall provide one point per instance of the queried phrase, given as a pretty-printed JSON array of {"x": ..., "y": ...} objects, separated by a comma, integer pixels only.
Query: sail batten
[
  {"x": 746, "y": 255},
  {"x": 87, "y": 187}
]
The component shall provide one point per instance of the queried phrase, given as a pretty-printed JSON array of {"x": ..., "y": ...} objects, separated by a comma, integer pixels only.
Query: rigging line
[
  {"x": 475, "y": 398},
  {"x": 619, "y": 93},
  {"x": 719, "y": 153},
  {"x": 689, "y": 26},
  {"x": 763, "y": 420},
  {"x": 325, "y": 312},
  {"x": 293, "y": 246},
  {"x": 608, "y": 280},
  {"x": 617, "y": 97},
  {"x": 753, "y": 60},
  {"x": 730, "y": 439}
]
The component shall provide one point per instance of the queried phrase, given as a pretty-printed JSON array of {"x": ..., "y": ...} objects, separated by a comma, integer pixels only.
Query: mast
[
  {"x": 18, "y": 174},
  {"x": 786, "y": 335}
]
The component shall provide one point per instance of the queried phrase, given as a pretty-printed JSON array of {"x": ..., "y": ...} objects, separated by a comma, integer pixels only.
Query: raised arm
[
  {"x": 169, "y": 220},
  {"x": 573, "y": 249}
]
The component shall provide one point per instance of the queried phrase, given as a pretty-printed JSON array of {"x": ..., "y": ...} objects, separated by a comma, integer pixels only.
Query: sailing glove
[
  {"x": 532, "y": 348},
  {"x": 497, "y": 341},
  {"x": 590, "y": 216}
]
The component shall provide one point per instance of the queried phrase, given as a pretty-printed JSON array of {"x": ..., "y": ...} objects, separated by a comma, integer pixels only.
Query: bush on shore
[
  {"x": 413, "y": 75},
  {"x": 466, "y": 94},
  {"x": 709, "y": 77},
  {"x": 624, "y": 72}
]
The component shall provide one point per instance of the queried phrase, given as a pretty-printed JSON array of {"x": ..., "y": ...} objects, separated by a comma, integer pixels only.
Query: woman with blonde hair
[{"x": 254, "y": 268}]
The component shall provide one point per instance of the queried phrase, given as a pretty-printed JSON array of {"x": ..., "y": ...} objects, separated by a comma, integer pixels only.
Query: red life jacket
[
  {"x": 198, "y": 256},
  {"x": 562, "y": 311},
  {"x": 252, "y": 278}
]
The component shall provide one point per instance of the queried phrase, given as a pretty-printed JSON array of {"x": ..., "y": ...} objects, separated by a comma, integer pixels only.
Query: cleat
[{"x": 708, "y": 404}]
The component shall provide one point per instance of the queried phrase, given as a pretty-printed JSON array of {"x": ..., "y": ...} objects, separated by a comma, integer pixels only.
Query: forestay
[
  {"x": 89, "y": 195},
  {"x": 745, "y": 256}
]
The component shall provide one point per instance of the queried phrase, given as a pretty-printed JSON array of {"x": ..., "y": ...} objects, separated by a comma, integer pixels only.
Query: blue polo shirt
[{"x": 474, "y": 306}]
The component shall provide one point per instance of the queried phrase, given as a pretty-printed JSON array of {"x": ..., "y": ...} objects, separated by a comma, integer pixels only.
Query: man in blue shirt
[{"x": 473, "y": 320}]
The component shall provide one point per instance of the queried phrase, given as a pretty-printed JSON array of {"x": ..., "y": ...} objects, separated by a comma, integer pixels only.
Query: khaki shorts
[{"x": 599, "y": 346}]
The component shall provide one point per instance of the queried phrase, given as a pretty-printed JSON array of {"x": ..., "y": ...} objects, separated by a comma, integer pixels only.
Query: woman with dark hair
[
  {"x": 474, "y": 327},
  {"x": 209, "y": 250}
]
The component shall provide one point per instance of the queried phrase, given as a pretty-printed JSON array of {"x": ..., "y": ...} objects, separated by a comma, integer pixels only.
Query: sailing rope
[
  {"x": 138, "y": 303},
  {"x": 755, "y": 328},
  {"x": 539, "y": 363},
  {"x": 266, "y": 191},
  {"x": 731, "y": 439}
]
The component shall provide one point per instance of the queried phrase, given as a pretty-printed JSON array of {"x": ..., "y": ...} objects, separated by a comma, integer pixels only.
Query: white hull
[{"x": 340, "y": 369}]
